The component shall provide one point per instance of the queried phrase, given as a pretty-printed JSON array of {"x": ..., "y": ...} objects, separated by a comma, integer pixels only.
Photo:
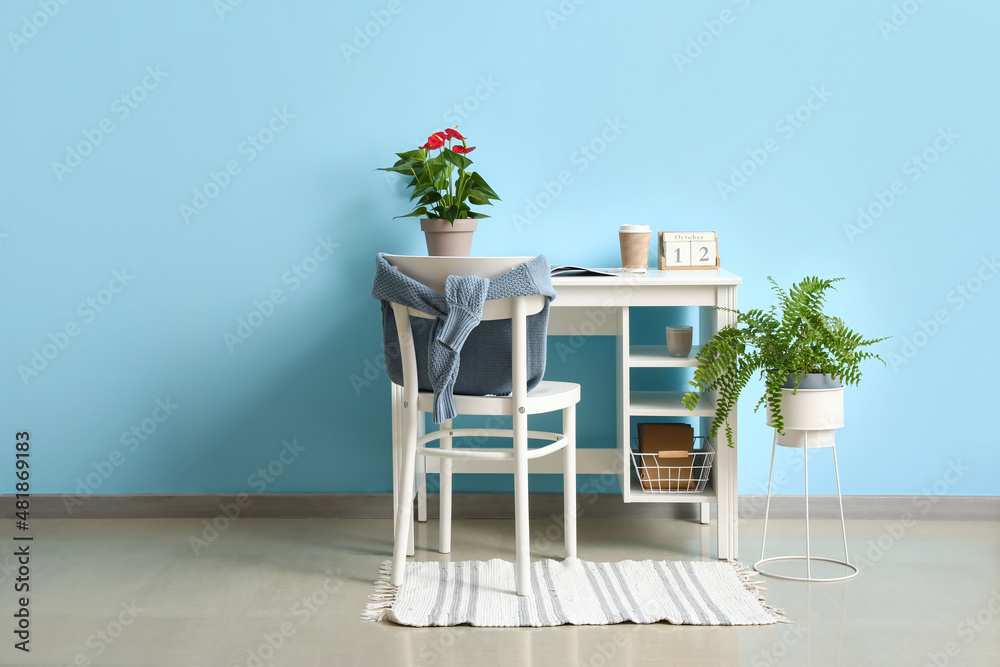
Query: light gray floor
[{"x": 127, "y": 592}]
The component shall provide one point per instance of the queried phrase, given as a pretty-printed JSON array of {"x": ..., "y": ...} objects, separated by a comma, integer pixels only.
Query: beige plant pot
[{"x": 447, "y": 240}]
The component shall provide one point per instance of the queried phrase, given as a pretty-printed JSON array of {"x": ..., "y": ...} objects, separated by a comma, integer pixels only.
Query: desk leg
[
  {"x": 728, "y": 515},
  {"x": 725, "y": 478}
]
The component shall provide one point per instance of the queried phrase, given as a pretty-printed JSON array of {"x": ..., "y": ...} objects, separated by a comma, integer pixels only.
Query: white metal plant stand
[{"x": 811, "y": 418}]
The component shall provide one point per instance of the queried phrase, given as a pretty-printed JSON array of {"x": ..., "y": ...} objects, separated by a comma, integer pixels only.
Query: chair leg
[
  {"x": 444, "y": 524},
  {"x": 522, "y": 553},
  {"x": 404, "y": 508},
  {"x": 569, "y": 480}
]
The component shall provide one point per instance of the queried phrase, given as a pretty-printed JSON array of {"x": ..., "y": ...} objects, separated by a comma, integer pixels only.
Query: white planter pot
[{"x": 811, "y": 417}]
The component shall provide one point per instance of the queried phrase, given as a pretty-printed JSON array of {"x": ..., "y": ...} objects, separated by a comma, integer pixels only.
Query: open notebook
[{"x": 567, "y": 270}]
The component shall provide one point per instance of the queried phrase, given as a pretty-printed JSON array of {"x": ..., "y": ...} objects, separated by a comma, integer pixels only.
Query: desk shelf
[
  {"x": 667, "y": 404},
  {"x": 656, "y": 356},
  {"x": 637, "y": 494}
]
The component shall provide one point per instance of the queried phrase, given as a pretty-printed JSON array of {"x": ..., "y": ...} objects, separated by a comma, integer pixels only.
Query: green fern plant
[{"x": 793, "y": 338}]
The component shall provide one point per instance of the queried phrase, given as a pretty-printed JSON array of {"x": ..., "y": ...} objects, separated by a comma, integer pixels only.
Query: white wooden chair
[{"x": 546, "y": 397}]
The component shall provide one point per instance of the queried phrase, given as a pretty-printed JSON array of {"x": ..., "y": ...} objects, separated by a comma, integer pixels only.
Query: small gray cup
[{"x": 679, "y": 340}]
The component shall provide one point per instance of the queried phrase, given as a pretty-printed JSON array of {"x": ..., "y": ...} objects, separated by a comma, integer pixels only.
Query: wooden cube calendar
[{"x": 688, "y": 250}]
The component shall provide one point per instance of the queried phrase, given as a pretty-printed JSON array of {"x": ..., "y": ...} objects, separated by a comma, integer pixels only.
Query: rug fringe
[
  {"x": 383, "y": 597},
  {"x": 756, "y": 587}
]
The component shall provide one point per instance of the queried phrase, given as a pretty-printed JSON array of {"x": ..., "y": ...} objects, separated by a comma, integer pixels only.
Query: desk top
[{"x": 653, "y": 277}]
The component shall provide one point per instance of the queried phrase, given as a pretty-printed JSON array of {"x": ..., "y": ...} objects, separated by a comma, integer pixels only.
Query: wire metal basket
[{"x": 675, "y": 471}]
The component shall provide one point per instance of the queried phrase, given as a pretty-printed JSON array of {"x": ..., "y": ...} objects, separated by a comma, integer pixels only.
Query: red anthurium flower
[
  {"x": 463, "y": 150},
  {"x": 436, "y": 140},
  {"x": 454, "y": 134}
]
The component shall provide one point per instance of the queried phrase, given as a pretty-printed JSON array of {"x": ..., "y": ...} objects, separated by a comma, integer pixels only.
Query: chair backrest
[{"x": 434, "y": 271}]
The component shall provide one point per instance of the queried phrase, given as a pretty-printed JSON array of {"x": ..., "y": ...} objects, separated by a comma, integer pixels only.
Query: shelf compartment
[
  {"x": 656, "y": 356},
  {"x": 667, "y": 404},
  {"x": 637, "y": 494}
]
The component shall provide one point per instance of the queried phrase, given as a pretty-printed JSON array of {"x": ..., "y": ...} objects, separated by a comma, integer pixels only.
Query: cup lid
[{"x": 633, "y": 228}]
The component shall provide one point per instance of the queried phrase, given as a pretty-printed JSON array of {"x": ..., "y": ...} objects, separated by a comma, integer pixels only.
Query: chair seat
[{"x": 546, "y": 397}]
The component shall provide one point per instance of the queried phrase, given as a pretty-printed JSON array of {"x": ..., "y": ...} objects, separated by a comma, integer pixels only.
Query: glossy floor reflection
[{"x": 290, "y": 592}]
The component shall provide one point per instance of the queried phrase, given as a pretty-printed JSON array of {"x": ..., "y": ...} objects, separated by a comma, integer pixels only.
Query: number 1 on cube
[{"x": 677, "y": 253}]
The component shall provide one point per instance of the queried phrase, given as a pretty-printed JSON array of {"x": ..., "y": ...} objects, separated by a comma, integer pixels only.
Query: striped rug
[{"x": 572, "y": 592}]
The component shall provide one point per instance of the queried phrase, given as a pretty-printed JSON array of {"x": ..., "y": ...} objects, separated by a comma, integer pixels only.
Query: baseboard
[
  {"x": 925, "y": 508},
  {"x": 490, "y": 506}
]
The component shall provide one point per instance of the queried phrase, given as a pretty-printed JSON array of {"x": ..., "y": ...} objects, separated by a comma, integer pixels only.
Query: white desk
[{"x": 599, "y": 306}]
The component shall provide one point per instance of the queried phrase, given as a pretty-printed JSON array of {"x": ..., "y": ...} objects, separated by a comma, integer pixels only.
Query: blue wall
[{"x": 215, "y": 159}]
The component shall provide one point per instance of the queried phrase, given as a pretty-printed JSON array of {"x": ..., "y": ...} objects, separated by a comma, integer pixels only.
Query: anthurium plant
[{"x": 443, "y": 186}]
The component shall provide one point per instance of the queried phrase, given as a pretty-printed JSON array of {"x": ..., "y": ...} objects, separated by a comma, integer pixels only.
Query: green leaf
[
  {"x": 456, "y": 159},
  {"x": 482, "y": 185},
  {"x": 413, "y": 214},
  {"x": 478, "y": 198}
]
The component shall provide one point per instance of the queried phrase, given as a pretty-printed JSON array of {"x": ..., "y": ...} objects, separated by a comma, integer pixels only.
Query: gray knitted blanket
[{"x": 456, "y": 352}]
